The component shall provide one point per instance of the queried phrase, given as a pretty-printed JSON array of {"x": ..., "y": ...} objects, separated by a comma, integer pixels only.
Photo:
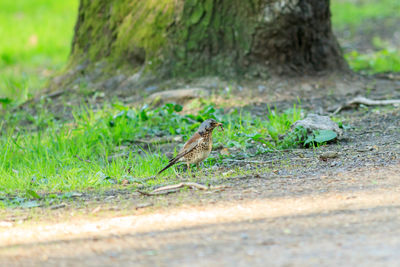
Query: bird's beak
[{"x": 221, "y": 126}]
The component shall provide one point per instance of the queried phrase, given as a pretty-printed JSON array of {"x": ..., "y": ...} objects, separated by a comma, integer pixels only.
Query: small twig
[
  {"x": 55, "y": 94},
  {"x": 165, "y": 190},
  {"x": 264, "y": 161},
  {"x": 158, "y": 193},
  {"x": 180, "y": 185},
  {"x": 81, "y": 159},
  {"x": 144, "y": 193},
  {"x": 250, "y": 161},
  {"x": 367, "y": 102}
]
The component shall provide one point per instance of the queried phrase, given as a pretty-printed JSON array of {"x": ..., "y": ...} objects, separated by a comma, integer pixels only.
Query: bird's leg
[
  {"x": 176, "y": 173},
  {"x": 198, "y": 167},
  {"x": 188, "y": 169}
]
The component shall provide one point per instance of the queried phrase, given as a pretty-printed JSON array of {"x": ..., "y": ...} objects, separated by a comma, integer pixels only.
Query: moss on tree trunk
[{"x": 194, "y": 38}]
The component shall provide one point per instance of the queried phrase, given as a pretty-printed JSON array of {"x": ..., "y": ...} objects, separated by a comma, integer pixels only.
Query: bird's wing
[{"x": 193, "y": 142}]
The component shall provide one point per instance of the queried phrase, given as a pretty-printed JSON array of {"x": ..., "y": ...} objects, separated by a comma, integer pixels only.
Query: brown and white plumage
[{"x": 198, "y": 147}]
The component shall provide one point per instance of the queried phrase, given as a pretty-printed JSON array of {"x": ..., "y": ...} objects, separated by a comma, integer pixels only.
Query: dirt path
[
  {"x": 348, "y": 224},
  {"x": 296, "y": 210}
]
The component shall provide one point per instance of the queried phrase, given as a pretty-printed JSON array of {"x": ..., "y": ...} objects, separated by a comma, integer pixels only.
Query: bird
[{"x": 198, "y": 147}]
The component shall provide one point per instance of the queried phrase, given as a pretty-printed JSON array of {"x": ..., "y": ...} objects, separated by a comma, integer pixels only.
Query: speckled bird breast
[{"x": 200, "y": 152}]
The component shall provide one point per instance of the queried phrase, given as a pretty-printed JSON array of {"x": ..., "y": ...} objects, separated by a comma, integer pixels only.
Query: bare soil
[
  {"x": 297, "y": 208},
  {"x": 348, "y": 218}
]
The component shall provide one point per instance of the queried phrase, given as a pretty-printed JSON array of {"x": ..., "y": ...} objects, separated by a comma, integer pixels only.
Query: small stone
[
  {"x": 178, "y": 96},
  {"x": 316, "y": 122},
  {"x": 328, "y": 155},
  {"x": 244, "y": 236},
  {"x": 178, "y": 138}
]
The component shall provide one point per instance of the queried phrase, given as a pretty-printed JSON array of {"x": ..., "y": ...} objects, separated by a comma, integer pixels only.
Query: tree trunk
[{"x": 194, "y": 38}]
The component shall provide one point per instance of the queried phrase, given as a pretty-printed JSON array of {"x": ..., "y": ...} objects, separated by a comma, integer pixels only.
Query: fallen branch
[
  {"x": 144, "y": 193},
  {"x": 181, "y": 185},
  {"x": 368, "y": 102},
  {"x": 263, "y": 161},
  {"x": 250, "y": 161},
  {"x": 165, "y": 190}
]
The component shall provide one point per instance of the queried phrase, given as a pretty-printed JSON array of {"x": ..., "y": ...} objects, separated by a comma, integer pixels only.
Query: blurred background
[{"x": 35, "y": 38}]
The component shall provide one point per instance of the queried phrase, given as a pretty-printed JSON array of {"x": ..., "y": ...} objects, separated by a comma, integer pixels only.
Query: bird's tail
[{"x": 172, "y": 162}]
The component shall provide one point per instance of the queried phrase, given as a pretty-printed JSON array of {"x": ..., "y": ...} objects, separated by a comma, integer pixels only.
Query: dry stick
[
  {"x": 174, "y": 188},
  {"x": 262, "y": 162},
  {"x": 367, "y": 102},
  {"x": 144, "y": 193},
  {"x": 180, "y": 185},
  {"x": 250, "y": 161}
]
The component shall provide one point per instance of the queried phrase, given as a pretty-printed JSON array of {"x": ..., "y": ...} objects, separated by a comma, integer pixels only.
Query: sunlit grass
[
  {"x": 35, "y": 40},
  {"x": 86, "y": 153},
  {"x": 352, "y": 14},
  {"x": 381, "y": 61}
]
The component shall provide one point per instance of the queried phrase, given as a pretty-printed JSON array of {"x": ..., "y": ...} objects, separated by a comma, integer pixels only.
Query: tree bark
[{"x": 195, "y": 38}]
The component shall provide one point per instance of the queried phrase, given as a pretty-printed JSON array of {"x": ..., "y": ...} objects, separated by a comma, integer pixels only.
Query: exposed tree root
[{"x": 367, "y": 102}]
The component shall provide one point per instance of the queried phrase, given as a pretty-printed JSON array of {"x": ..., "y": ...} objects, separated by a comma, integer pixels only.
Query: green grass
[
  {"x": 352, "y": 14},
  {"x": 381, "y": 61},
  {"x": 62, "y": 157},
  {"x": 35, "y": 39}
]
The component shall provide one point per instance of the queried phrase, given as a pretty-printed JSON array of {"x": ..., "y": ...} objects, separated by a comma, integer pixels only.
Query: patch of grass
[
  {"x": 352, "y": 14},
  {"x": 35, "y": 39},
  {"x": 381, "y": 61},
  {"x": 349, "y": 16},
  {"x": 100, "y": 149}
]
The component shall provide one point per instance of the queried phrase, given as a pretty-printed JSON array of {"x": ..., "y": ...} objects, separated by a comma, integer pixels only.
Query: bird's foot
[{"x": 177, "y": 174}]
